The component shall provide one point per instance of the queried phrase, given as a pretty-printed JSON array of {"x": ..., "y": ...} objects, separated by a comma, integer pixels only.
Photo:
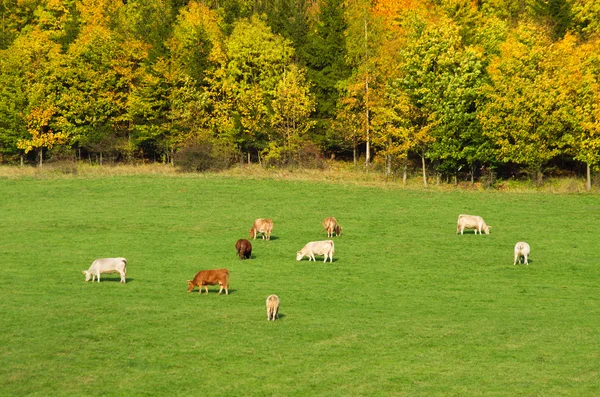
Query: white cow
[
  {"x": 522, "y": 250},
  {"x": 325, "y": 247},
  {"x": 472, "y": 222},
  {"x": 272, "y": 307},
  {"x": 106, "y": 265}
]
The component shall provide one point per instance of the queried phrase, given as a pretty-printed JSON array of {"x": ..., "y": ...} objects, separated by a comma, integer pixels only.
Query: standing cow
[
  {"x": 272, "y": 307},
  {"x": 204, "y": 278},
  {"x": 106, "y": 265},
  {"x": 243, "y": 248},
  {"x": 313, "y": 248},
  {"x": 472, "y": 222},
  {"x": 330, "y": 224},
  {"x": 522, "y": 250},
  {"x": 264, "y": 226}
]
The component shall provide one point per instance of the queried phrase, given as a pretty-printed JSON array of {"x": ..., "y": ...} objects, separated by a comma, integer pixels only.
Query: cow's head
[
  {"x": 251, "y": 232},
  {"x": 88, "y": 275},
  {"x": 299, "y": 255},
  {"x": 190, "y": 286},
  {"x": 338, "y": 230},
  {"x": 486, "y": 229}
]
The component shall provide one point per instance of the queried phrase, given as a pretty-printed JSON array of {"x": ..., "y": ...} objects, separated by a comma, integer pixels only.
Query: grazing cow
[
  {"x": 325, "y": 247},
  {"x": 522, "y": 250},
  {"x": 210, "y": 277},
  {"x": 264, "y": 226},
  {"x": 272, "y": 307},
  {"x": 472, "y": 222},
  {"x": 106, "y": 265},
  {"x": 330, "y": 224},
  {"x": 244, "y": 248}
]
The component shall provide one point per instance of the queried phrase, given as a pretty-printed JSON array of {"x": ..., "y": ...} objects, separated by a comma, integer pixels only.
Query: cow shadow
[
  {"x": 318, "y": 260},
  {"x": 212, "y": 291},
  {"x": 523, "y": 264},
  {"x": 114, "y": 280}
]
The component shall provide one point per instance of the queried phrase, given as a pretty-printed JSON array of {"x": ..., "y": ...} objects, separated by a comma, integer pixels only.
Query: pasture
[{"x": 407, "y": 308}]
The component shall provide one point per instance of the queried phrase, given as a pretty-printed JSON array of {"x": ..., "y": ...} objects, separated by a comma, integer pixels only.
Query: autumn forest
[{"x": 447, "y": 87}]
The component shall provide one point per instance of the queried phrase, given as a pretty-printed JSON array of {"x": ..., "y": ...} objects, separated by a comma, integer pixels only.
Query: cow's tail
[{"x": 227, "y": 279}]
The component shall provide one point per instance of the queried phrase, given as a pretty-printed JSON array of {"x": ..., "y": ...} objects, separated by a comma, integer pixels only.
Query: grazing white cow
[
  {"x": 272, "y": 307},
  {"x": 106, "y": 265},
  {"x": 522, "y": 250},
  {"x": 472, "y": 222},
  {"x": 325, "y": 247}
]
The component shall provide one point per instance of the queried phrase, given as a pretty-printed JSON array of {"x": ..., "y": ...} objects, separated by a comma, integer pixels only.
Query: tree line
[{"x": 455, "y": 86}]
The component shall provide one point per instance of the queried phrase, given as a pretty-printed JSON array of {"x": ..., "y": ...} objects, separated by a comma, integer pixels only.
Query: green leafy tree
[
  {"x": 292, "y": 105},
  {"x": 520, "y": 114}
]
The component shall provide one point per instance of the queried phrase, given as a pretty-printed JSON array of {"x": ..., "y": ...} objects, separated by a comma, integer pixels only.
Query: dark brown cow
[
  {"x": 244, "y": 248},
  {"x": 210, "y": 277}
]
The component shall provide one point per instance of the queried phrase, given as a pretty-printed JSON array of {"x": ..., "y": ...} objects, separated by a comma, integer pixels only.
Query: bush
[{"x": 199, "y": 156}]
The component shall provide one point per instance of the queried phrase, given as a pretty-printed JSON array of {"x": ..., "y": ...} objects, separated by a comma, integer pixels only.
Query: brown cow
[
  {"x": 264, "y": 226},
  {"x": 330, "y": 224},
  {"x": 210, "y": 277},
  {"x": 244, "y": 248}
]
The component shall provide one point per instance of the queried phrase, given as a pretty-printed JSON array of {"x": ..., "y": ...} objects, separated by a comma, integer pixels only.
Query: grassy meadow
[{"x": 407, "y": 308}]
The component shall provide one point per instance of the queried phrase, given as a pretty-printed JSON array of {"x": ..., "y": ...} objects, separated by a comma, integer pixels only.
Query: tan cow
[
  {"x": 330, "y": 224},
  {"x": 264, "y": 226},
  {"x": 522, "y": 250},
  {"x": 325, "y": 247},
  {"x": 272, "y": 307},
  {"x": 472, "y": 222},
  {"x": 204, "y": 278},
  {"x": 106, "y": 265}
]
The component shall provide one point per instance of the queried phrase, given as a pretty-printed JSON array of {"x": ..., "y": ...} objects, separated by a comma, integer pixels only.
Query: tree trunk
[
  {"x": 472, "y": 175},
  {"x": 248, "y": 157},
  {"x": 354, "y": 151},
  {"x": 455, "y": 180},
  {"x": 588, "y": 181},
  {"x": 41, "y": 157},
  {"x": 100, "y": 158},
  {"x": 404, "y": 171},
  {"x": 368, "y": 154},
  {"x": 424, "y": 172},
  {"x": 21, "y": 159}
]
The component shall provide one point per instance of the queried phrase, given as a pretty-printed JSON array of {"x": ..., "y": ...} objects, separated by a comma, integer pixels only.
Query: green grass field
[{"x": 407, "y": 308}]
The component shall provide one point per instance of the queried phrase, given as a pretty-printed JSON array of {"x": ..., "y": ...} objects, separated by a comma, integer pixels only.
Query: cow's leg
[
  {"x": 98, "y": 274},
  {"x": 526, "y": 262},
  {"x": 220, "y": 289},
  {"x": 200, "y": 289},
  {"x": 515, "y": 262}
]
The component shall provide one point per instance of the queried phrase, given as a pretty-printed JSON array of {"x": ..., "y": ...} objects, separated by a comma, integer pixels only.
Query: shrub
[{"x": 199, "y": 156}]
